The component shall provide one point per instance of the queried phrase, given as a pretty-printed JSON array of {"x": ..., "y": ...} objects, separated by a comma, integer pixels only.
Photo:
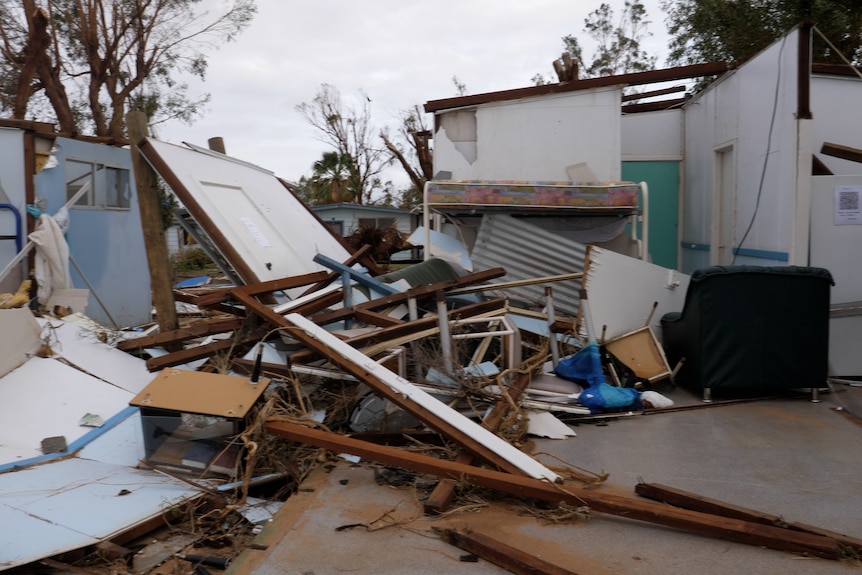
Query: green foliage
[
  {"x": 618, "y": 42},
  {"x": 333, "y": 180},
  {"x": 734, "y": 30},
  {"x": 191, "y": 259},
  {"x": 167, "y": 205}
]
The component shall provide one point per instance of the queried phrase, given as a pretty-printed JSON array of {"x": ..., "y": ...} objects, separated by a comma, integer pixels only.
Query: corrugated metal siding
[{"x": 526, "y": 251}]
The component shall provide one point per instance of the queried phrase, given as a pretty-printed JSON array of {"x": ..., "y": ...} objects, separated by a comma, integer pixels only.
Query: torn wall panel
[{"x": 623, "y": 290}]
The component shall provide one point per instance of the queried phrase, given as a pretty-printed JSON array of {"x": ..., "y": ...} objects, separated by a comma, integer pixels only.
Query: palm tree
[{"x": 332, "y": 177}]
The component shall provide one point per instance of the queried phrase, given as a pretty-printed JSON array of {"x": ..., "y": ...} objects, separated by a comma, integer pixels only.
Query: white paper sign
[
  {"x": 848, "y": 205},
  {"x": 256, "y": 233}
]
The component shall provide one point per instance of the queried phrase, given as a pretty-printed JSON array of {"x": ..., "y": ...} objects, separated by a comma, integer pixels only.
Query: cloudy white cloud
[{"x": 400, "y": 53}]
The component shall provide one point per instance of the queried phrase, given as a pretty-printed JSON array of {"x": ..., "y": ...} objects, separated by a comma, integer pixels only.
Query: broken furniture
[
  {"x": 191, "y": 419},
  {"x": 747, "y": 330}
]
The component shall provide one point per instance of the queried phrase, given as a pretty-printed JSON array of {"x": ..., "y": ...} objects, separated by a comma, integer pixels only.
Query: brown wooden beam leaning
[{"x": 441, "y": 496}]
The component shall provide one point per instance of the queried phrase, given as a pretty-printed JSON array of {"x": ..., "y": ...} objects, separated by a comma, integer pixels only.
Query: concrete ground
[{"x": 789, "y": 457}]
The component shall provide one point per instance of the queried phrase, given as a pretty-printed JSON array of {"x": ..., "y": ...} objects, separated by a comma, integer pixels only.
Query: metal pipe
[
  {"x": 552, "y": 319},
  {"x": 445, "y": 334}
]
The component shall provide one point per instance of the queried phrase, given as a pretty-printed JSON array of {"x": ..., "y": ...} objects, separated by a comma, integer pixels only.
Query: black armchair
[{"x": 748, "y": 330}]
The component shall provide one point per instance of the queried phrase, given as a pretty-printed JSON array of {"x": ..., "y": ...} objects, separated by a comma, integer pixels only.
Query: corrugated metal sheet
[{"x": 527, "y": 251}]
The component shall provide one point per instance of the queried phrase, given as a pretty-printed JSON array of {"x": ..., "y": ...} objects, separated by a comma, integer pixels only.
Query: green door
[{"x": 662, "y": 179}]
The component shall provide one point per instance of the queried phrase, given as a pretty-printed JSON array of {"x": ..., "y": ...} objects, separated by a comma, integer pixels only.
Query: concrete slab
[{"x": 788, "y": 457}]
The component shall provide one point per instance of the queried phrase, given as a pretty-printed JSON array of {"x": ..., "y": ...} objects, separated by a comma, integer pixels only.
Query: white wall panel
[
  {"x": 652, "y": 136},
  {"x": 537, "y": 138}
]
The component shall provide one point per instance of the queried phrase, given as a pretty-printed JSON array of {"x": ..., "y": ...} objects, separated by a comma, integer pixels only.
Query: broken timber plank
[
  {"x": 204, "y": 351},
  {"x": 375, "y": 318},
  {"x": 843, "y": 152},
  {"x": 197, "y": 329},
  {"x": 414, "y": 292},
  {"x": 283, "y": 283},
  {"x": 212, "y": 301},
  {"x": 628, "y": 507},
  {"x": 694, "y": 502},
  {"x": 441, "y": 496},
  {"x": 405, "y": 395},
  {"x": 509, "y": 558},
  {"x": 419, "y": 328}
]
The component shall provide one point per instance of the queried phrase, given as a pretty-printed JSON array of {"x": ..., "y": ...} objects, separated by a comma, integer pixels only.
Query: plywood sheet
[
  {"x": 641, "y": 353},
  {"x": 215, "y": 394}
]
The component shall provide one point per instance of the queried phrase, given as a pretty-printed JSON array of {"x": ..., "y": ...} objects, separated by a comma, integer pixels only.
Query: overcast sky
[{"x": 398, "y": 52}]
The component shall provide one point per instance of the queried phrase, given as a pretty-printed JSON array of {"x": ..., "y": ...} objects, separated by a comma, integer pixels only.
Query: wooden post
[
  {"x": 216, "y": 144},
  {"x": 151, "y": 222}
]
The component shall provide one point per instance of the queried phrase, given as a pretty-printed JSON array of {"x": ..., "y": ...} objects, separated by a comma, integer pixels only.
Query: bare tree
[
  {"x": 618, "y": 45},
  {"x": 111, "y": 55},
  {"x": 349, "y": 130},
  {"x": 413, "y": 152}
]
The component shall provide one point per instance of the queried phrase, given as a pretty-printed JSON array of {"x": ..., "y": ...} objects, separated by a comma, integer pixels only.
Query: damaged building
[{"x": 613, "y": 357}]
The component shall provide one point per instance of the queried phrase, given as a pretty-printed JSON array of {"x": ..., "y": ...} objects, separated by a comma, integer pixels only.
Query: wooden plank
[
  {"x": 402, "y": 393},
  {"x": 234, "y": 344},
  {"x": 500, "y": 554},
  {"x": 378, "y": 319},
  {"x": 423, "y": 291},
  {"x": 694, "y": 502},
  {"x": 212, "y": 301},
  {"x": 843, "y": 152},
  {"x": 628, "y": 507},
  {"x": 415, "y": 327},
  {"x": 441, "y": 496},
  {"x": 201, "y": 328},
  {"x": 151, "y": 222},
  {"x": 207, "y": 300},
  {"x": 283, "y": 283}
]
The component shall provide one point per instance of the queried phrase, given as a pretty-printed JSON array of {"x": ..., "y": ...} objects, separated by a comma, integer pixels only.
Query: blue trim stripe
[
  {"x": 747, "y": 252},
  {"x": 76, "y": 445}
]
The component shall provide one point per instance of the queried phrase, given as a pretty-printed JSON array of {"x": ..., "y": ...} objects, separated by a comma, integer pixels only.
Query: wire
[{"x": 765, "y": 159}]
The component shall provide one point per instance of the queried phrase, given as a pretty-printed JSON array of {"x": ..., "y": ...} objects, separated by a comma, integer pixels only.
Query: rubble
[{"x": 278, "y": 369}]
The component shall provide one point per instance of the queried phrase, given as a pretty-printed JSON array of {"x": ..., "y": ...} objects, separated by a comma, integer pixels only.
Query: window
[
  {"x": 377, "y": 223},
  {"x": 105, "y": 186},
  {"x": 336, "y": 226}
]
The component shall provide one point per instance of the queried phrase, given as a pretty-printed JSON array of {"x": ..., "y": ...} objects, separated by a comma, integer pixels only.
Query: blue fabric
[
  {"x": 585, "y": 368},
  {"x": 603, "y": 398}
]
